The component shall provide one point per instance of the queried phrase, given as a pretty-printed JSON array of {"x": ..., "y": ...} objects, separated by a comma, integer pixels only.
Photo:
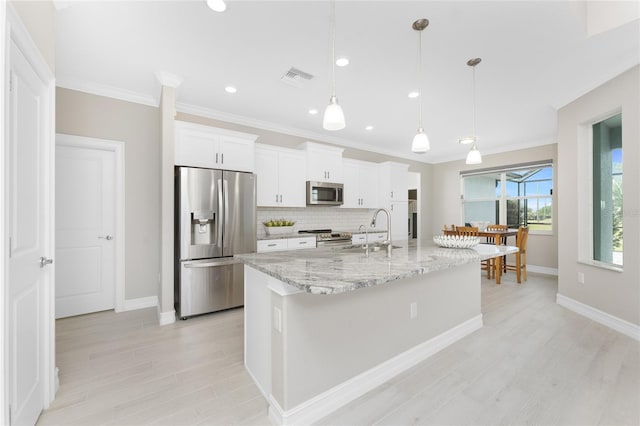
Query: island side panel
[
  {"x": 328, "y": 339},
  {"x": 257, "y": 328}
]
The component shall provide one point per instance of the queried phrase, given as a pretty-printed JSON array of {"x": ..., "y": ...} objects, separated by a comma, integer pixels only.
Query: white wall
[
  {"x": 542, "y": 250},
  {"x": 616, "y": 293}
]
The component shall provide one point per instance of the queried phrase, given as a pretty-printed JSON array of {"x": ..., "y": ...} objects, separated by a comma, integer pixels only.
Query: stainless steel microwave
[{"x": 324, "y": 193}]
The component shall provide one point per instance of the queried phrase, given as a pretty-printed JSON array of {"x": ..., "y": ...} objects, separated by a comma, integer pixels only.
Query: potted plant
[{"x": 278, "y": 227}]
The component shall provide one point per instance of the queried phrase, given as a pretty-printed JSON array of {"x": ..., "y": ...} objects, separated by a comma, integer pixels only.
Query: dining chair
[
  {"x": 489, "y": 264},
  {"x": 471, "y": 231},
  {"x": 521, "y": 256}
]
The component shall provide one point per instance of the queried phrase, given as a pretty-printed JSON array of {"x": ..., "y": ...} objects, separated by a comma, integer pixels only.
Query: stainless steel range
[{"x": 327, "y": 238}]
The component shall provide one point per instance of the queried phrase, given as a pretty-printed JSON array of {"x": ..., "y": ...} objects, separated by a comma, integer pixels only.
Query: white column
[{"x": 169, "y": 83}]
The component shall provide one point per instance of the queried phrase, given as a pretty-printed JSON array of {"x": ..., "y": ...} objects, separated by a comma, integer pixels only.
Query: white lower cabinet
[
  {"x": 374, "y": 237},
  {"x": 286, "y": 244}
]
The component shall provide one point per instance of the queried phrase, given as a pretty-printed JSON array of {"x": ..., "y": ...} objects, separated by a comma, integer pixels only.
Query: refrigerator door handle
[
  {"x": 210, "y": 264},
  {"x": 224, "y": 216},
  {"x": 226, "y": 203}
]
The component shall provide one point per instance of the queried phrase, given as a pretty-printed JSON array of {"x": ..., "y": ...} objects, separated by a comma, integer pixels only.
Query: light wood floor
[{"x": 533, "y": 362}]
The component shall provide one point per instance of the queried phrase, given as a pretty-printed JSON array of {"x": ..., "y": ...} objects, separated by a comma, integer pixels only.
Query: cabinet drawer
[
  {"x": 301, "y": 243},
  {"x": 377, "y": 237},
  {"x": 272, "y": 245},
  {"x": 358, "y": 238}
]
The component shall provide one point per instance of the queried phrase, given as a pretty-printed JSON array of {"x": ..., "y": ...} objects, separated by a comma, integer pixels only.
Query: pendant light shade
[
  {"x": 217, "y": 5},
  {"x": 474, "y": 156},
  {"x": 333, "y": 114},
  {"x": 420, "y": 143}
]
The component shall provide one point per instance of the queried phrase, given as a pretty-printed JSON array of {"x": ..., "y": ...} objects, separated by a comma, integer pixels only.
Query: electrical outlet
[
  {"x": 580, "y": 277},
  {"x": 413, "y": 310},
  {"x": 277, "y": 319}
]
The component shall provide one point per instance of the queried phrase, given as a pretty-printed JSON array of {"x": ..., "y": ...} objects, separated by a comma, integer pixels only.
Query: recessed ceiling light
[
  {"x": 217, "y": 5},
  {"x": 313, "y": 111},
  {"x": 414, "y": 94},
  {"x": 230, "y": 89},
  {"x": 342, "y": 62},
  {"x": 369, "y": 128}
]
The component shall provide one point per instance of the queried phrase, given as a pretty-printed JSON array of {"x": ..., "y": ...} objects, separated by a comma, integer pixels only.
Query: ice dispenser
[{"x": 203, "y": 227}]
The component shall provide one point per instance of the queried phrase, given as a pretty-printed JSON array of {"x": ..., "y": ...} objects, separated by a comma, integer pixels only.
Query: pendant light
[
  {"x": 333, "y": 115},
  {"x": 420, "y": 143},
  {"x": 217, "y": 5},
  {"x": 474, "y": 156}
]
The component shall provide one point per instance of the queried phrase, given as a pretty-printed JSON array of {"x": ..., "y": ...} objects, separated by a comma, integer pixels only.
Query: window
[
  {"x": 607, "y": 191},
  {"x": 516, "y": 196}
]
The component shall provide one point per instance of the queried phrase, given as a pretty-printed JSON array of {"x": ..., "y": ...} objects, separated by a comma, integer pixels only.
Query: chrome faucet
[
  {"x": 365, "y": 246},
  {"x": 373, "y": 223}
]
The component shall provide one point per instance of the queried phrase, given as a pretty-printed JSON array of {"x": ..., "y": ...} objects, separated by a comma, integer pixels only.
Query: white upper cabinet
[
  {"x": 324, "y": 163},
  {"x": 360, "y": 189},
  {"x": 281, "y": 175},
  {"x": 393, "y": 182},
  {"x": 197, "y": 145}
]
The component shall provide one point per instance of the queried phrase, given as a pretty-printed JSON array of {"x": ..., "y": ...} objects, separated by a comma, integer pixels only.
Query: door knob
[
  {"x": 44, "y": 261},
  {"x": 108, "y": 238}
]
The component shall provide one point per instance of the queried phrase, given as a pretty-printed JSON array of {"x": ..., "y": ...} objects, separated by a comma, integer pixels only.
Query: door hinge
[
  {"x": 10, "y": 82},
  {"x": 10, "y": 415},
  {"x": 9, "y": 247}
]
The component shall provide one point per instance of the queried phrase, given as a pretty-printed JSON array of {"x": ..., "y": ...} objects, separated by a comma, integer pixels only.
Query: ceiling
[{"x": 536, "y": 57}]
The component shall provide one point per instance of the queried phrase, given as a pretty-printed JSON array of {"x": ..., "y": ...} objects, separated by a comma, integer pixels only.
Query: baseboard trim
[
  {"x": 165, "y": 318},
  {"x": 615, "y": 323},
  {"x": 140, "y": 303},
  {"x": 542, "y": 270},
  {"x": 318, "y": 407}
]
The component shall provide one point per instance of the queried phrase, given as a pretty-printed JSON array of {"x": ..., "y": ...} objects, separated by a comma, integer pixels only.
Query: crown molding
[
  {"x": 107, "y": 91},
  {"x": 274, "y": 127}
]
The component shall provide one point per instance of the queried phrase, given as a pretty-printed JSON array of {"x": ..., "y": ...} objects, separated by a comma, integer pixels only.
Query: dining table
[{"x": 498, "y": 236}]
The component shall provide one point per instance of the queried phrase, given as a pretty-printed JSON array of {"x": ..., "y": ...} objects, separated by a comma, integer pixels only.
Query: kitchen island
[{"x": 323, "y": 326}]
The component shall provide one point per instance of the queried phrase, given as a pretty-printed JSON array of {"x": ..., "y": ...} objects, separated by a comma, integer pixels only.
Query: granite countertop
[{"x": 333, "y": 271}]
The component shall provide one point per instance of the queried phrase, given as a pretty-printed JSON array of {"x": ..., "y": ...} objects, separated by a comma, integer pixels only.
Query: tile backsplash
[{"x": 334, "y": 218}]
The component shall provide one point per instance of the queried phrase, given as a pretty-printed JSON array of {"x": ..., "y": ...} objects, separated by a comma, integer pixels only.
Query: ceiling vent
[{"x": 295, "y": 77}]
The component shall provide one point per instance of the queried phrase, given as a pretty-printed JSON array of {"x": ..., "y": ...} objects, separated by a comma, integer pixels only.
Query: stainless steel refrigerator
[{"x": 215, "y": 219}]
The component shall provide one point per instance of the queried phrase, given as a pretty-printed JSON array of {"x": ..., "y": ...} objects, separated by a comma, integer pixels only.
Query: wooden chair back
[
  {"x": 521, "y": 256},
  {"x": 496, "y": 227},
  {"x": 467, "y": 230},
  {"x": 521, "y": 238}
]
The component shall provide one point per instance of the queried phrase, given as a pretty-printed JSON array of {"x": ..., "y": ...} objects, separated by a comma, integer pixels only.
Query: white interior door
[
  {"x": 85, "y": 230},
  {"x": 28, "y": 229}
]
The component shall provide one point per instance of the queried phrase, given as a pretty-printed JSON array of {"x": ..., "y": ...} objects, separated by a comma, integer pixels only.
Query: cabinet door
[
  {"x": 399, "y": 221},
  {"x": 324, "y": 166},
  {"x": 267, "y": 178},
  {"x": 399, "y": 177},
  {"x": 195, "y": 148},
  {"x": 236, "y": 154},
  {"x": 291, "y": 179},
  {"x": 351, "y": 181},
  {"x": 367, "y": 180}
]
